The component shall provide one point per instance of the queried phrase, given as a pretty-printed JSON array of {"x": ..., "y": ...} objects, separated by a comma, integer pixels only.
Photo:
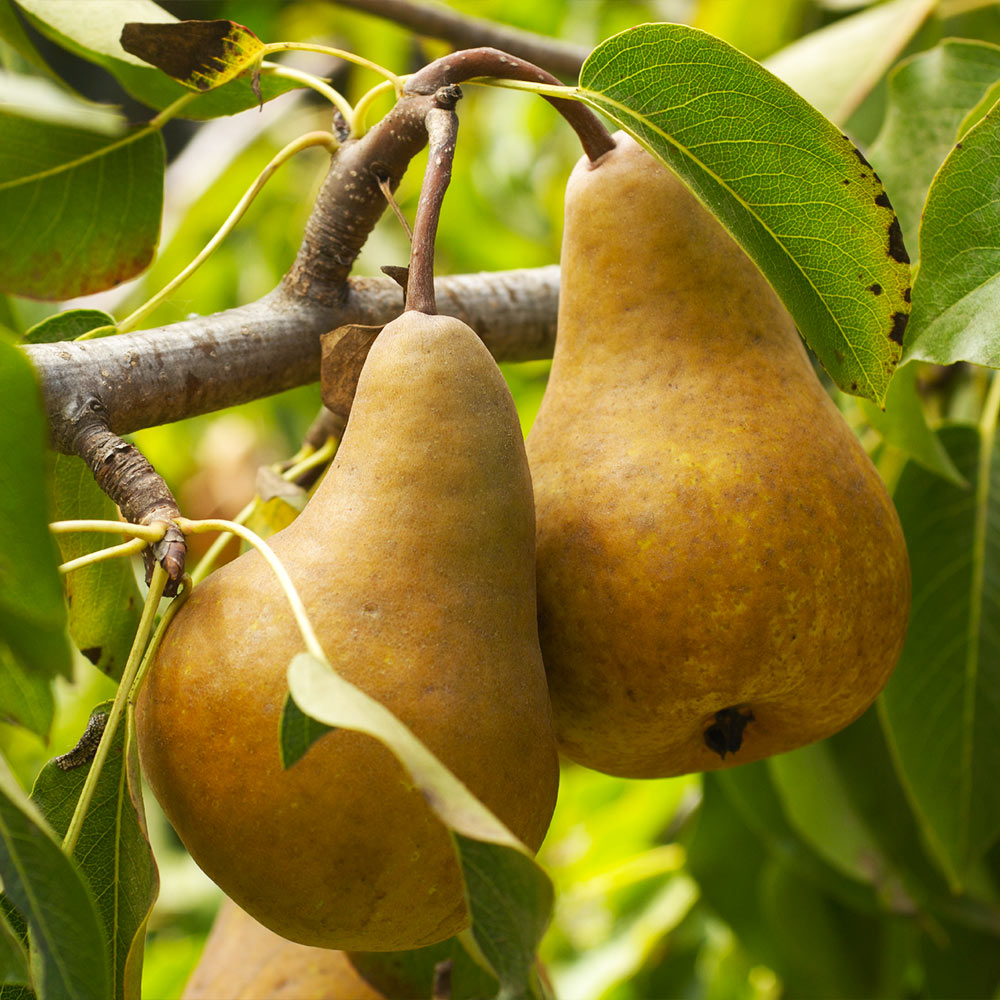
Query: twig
[
  {"x": 470, "y": 64},
  {"x": 464, "y": 31},
  {"x": 442, "y": 129},
  {"x": 125, "y": 475}
]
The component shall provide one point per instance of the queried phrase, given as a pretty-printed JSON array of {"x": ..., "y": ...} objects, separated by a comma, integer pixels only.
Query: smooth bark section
[
  {"x": 464, "y": 31},
  {"x": 153, "y": 377}
]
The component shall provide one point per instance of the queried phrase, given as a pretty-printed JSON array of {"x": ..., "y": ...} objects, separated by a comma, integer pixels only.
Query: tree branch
[
  {"x": 464, "y": 31},
  {"x": 153, "y": 377}
]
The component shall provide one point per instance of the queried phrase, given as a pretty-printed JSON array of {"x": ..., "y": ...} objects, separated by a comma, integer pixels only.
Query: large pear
[
  {"x": 721, "y": 573},
  {"x": 415, "y": 561}
]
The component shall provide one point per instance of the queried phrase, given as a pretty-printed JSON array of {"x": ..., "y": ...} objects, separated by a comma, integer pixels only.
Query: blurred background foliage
[{"x": 805, "y": 876}]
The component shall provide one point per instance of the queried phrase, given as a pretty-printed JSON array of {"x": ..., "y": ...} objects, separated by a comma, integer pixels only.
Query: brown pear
[
  {"x": 243, "y": 960},
  {"x": 721, "y": 572},
  {"x": 415, "y": 562}
]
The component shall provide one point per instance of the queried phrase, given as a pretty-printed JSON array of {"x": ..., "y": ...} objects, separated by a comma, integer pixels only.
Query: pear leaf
[
  {"x": 50, "y": 892},
  {"x": 943, "y": 693},
  {"x": 32, "y": 609},
  {"x": 113, "y": 850},
  {"x": 67, "y": 326},
  {"x": 510, "y": 897},
  {"x": 104, "y": 601},
  {"x": 792, "y": 190},
  {"x": 202, "y": 55},
  {"x": 956, "y": 295},
  {"x": 81, "y": 210},
  {"x": 929, "y": 95}
]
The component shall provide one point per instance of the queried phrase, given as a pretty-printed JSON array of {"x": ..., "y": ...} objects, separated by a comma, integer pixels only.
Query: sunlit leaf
[
  {"x": 32, "y": 612},
  {"x": 929, "y": 95},
  {"x": 836, "y": 67},
  {"x": 67, "y": 326},
  {"x": 112, "y": 851},
  {"x": 941, "y": 708},
  {"x": 49, "y": 891},
  {"x": 41, "y": 99},
  {"x": 508, "y": 893},
  {"x": 202, "y": 55},
  {"x": 793, "y": 191},
  {"x": 104, "y": 601},
  {"x": 81, "y": 211},
  {"x": 956, "y": 295}
]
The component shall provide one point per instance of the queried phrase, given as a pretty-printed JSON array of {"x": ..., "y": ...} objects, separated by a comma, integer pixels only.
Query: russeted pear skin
[
  {"x": 415, "y": 561},
  {"x": 712, "y": 538},
  {"x": 243, "y": 960}
]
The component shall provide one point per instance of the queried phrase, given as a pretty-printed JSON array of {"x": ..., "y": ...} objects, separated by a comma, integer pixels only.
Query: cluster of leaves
[{"x": 865, "y": 865}]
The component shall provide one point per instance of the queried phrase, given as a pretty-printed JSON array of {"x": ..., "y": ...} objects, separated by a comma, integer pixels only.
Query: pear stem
[
  {"x": 469, "y": 64},
  {"x": 442, "y": 130}
]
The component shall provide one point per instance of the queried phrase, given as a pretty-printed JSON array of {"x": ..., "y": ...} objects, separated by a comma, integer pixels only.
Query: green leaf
[
  {"x": 50, "y": 892},
  {"x": 508, "y": 894},
  {"x": 113, "y": 851},
  {"x": 96, "y": 38},
  {"x": 752, "y": 792},
  {"x": 820, "y": 809},
  {"x": 298, "y": 732},
  {"x": 41, "y": 99},
  {"x": 202, "y": 55},
  {"x": 82, "y": 211},
  {"x": 13, "y": 955},
  {"x": 837, "y": 67},
  {"x": 903, "y": 424},
  {"x": 15, "y": 36},
  {"x": 956, "y": 295},
  {"x": 411, "y": 973},
  {"x": 941, "y": 708},
  {"x": 104, "y": 601},
  {"x": 794, "y": 192},
  {"x": 25, "y": 695},
  {"x": 929, "y": 94},
  {"x": 67, "y": 326},
  {"x": 32, "y": 611}
]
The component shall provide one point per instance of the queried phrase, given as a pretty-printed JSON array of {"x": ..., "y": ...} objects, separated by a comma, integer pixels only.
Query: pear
[
  {"x": 243, "y": 960},
  {"x": 721, "y": 573},
  {"x": 415, "y": 561}
]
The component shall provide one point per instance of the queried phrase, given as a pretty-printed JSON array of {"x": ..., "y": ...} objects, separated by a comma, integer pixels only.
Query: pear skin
[
  {"x": 243, "y": 960},
  {"x": 721, "y": 573},
  {"x": 415, "y": 562}
]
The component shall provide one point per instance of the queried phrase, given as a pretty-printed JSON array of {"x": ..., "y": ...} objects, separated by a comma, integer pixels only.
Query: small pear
[
  {"x": 721, "y": 573},
  {"x": 243, "y": 960},
  {"x": 415, "y": 562}
]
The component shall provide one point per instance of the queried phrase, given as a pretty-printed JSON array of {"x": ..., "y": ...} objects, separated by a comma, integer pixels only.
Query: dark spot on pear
[
  {"x": 725, "y": 735},
  {"x": 93, "y": 653},
  {"x": 906, "y": 295},
  {"x": 861, "y": 157},
  {"x": 897, "y": 250},
  {"x": 854, "y": 387},
  {"x": 875, "y": 289},
  {"x": 882, "y": 200},
  {"x": 899, "y": 321}
]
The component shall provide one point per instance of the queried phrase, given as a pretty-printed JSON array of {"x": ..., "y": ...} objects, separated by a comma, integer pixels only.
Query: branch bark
[
  {"x": 559, "y": 57},
  {"x": 157, "y": 376}
]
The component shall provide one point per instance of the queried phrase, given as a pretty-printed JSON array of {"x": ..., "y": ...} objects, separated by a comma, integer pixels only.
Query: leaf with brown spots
[
  {"x": 202, "y": 55},
  {"x": 798, "y": 195}
]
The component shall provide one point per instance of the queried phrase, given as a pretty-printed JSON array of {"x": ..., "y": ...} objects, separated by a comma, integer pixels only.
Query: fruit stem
[
  {"x": 129, "y": 548},
  {"x": 190, "y": 527},
  {"x": 135, "y": 658},
  {"x": 469, "y": 64},
  {"x": 442, "y": 130}
]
